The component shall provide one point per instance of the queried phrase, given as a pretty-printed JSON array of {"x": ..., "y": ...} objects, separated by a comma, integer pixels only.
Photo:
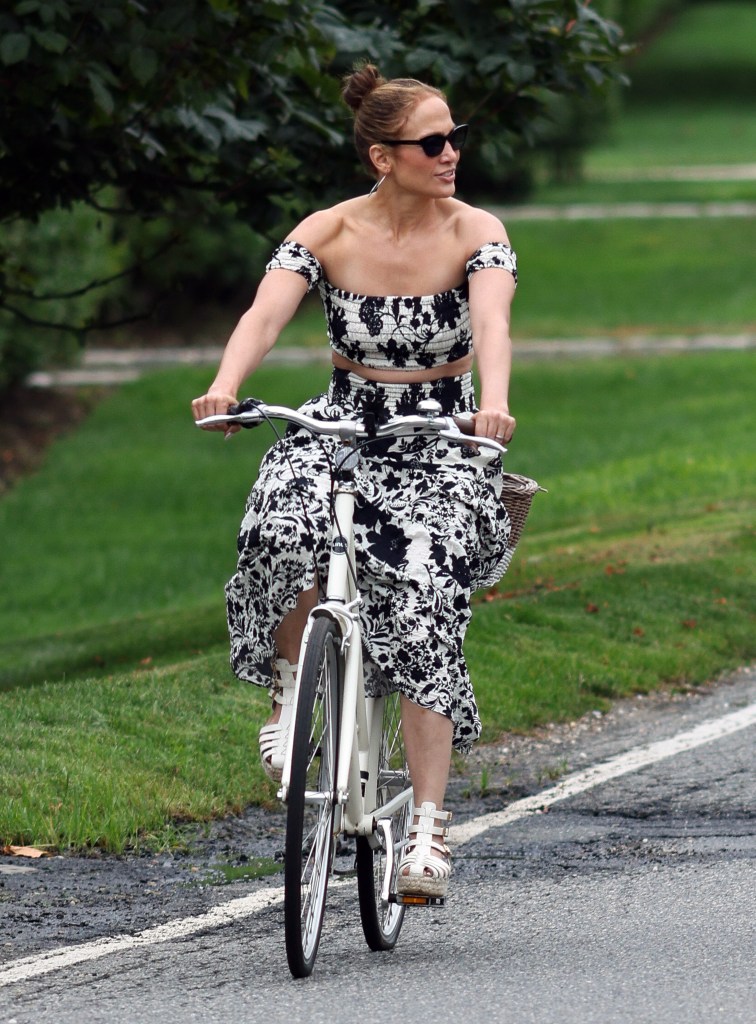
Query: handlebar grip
[
  {"x": 247, "y": 405},
  {"x": 465, "y": 424}
]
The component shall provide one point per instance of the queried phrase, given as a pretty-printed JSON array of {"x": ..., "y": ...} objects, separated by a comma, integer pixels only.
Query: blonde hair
[{"x": 380, "y": 106}]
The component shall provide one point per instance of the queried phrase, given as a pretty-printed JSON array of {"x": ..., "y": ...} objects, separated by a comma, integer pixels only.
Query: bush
[
  {"x": 47, "y": 266},
  {"x": 214, "y": 261}
]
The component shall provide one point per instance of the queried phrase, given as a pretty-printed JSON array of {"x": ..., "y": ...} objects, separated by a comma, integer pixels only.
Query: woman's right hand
[{"x": 215, "y": 403}]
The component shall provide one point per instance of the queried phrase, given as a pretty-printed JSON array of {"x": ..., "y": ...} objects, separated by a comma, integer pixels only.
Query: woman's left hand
[{"x": 494, "y": 423}]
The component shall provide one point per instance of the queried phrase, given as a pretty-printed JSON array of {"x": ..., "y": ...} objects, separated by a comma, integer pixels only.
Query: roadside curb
[
  {"x": 615, "y": 211},
  {"x": 108, "y": 367}
]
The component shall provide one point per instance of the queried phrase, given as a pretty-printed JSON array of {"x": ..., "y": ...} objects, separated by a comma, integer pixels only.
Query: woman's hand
[
  {"x": 494, "y": 423},
  {"x": 215, "y": 403}
]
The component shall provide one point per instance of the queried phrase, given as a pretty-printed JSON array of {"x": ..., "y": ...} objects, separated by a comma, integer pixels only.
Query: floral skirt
[{"x": 430, "y": 529}]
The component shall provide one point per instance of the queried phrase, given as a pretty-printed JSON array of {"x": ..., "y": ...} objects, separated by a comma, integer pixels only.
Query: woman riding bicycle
[{"x": 414, "y": 283}]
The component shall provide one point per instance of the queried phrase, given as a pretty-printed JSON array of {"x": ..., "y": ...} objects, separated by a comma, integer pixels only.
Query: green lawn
[
  {"x": 120, "y": 719},
  {"x": 692, "y": 98},
  {"x": 676, "y": 134},
  {"x": 635, "y": 572},
  {"x": 594, "y": 278},
  {"x": 634, "y": 276}
]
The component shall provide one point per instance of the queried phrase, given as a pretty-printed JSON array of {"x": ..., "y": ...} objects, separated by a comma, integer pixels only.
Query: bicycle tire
[
  {"x": 309, "y": 845},
  {"x": 381, "y": 924}
]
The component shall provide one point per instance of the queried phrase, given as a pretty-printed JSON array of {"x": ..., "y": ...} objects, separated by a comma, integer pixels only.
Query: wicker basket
[{"x": 517, "y": 495}]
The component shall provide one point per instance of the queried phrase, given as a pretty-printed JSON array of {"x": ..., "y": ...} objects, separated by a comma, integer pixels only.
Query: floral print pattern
[
  {"x": 395, "y": 331},
  {"x": 429, "y": 521}
]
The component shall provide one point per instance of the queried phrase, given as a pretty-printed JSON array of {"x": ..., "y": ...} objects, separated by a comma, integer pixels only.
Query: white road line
[
  {"x": 246, "y": 906},
  {"x": 630, "y": 761},
  {"x": 54, "y": 960}
]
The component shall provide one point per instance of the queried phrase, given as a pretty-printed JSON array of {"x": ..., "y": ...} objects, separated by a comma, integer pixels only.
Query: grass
[
  {"x": 633, "y": 276},
  {"x": 603, "y": 190},
  {"x": 618, "y": 277},
  {"x": 634, "y": 573},
  {"x": 705, "y": 55},
  {"x": 691, "y": 98},
  {"x": 124, "y": 507},
  {"x": 120, "y": 721},
  {"x": 665, "y": 134},
  {"x": 128, "y": 757}
]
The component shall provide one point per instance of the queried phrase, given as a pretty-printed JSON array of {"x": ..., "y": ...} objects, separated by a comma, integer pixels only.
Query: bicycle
[{"x": 345, "y": 771}]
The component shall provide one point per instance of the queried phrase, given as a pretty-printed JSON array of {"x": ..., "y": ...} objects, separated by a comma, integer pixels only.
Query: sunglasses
[{"x": 434, "y": 145}]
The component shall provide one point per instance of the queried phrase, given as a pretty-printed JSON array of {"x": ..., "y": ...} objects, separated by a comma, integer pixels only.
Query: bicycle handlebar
[{"x": 251, "y": 413}]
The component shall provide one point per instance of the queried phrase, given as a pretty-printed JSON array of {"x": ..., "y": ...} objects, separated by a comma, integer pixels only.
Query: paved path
[
  {"x": 614, "y": 211},
  {"x": 102, "y": 367},
  {"x": 695, "y": 172},
  {"x": 623, "y": 893}
]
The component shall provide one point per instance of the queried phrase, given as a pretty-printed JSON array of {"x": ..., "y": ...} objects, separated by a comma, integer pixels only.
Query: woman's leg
[
  {"x": 274, "y": 735},
  {"x": 428, "y": 745},
  {"x": 288, "y": 636}
]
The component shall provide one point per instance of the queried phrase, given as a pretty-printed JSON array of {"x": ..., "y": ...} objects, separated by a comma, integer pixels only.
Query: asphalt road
[{"x": 630, "y": 901}]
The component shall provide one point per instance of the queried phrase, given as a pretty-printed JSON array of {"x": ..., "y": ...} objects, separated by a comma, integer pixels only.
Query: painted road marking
[
  {"x": 631, "y": 761},
  {"x": 246, "y": 906}
]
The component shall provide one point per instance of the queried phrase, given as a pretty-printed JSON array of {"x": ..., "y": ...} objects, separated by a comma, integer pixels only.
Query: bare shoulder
[
  {"x": 318, "y": 231},
  {"x": 475, "y": 227}
]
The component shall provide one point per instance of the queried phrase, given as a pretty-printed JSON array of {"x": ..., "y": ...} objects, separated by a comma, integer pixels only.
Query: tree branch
[{"x": 97, "y": 283}]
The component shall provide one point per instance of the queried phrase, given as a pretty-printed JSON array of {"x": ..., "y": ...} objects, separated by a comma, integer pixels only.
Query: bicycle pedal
[{"x": 407, "y": 900}]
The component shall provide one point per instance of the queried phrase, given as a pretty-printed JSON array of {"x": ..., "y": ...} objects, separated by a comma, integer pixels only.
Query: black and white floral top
[{"x": 395, "y": 331}]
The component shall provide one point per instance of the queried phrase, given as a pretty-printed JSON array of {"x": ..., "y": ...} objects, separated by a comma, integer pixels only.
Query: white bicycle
[{"x": 345, "y": 772}]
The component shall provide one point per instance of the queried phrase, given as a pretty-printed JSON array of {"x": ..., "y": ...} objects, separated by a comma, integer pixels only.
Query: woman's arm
[
  {"x": 491, "y": 292},
  {"x": 277, "y": 299}
]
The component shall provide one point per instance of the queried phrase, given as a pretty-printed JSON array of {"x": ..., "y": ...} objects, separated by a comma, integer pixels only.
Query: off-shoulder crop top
[{"x": 395, "y": 331}]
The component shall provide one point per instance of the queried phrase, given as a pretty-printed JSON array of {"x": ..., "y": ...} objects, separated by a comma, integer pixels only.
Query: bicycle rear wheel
[
  {"x": 382, "y": 924},
  {"x": 311, "y": 798}
]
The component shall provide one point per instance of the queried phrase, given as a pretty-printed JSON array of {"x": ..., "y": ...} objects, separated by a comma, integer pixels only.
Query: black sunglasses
[{"x": 433, "y": 145}]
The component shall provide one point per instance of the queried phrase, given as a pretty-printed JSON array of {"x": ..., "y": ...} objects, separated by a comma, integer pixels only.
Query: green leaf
[
  {"x": 102, "y": 96},
  {"x": 595, "y": 74},
  {"x": 204, "y": 128},
  {"x": 234, "y": 128},
  {"x": 51, "y": 41},
  {"x": 14, "y": 48},
  {"x": 143, "y": 63},
  {"x": 242, "y": 85}
]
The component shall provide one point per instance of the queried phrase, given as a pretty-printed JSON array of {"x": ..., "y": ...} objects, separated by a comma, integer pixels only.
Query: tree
[{"x": 179, "y": 108}]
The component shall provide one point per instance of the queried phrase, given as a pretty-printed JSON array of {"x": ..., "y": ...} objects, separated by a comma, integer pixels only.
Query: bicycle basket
[{"x": 517, "y": 495}]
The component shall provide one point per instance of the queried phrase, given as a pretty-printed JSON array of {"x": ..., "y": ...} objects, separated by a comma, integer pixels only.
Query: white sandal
[
  {"x": 275, "y": 735},
  {"x": 420, "y": 872}
]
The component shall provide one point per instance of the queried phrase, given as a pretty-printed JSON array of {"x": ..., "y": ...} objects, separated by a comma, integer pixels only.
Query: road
[{"x": 630, "y": 899}]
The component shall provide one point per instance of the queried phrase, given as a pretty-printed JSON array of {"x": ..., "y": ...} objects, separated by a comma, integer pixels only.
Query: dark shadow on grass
[{"x": 122, "y": 646}]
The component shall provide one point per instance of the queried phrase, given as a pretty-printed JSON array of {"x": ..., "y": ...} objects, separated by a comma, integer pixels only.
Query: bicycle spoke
[
  {"x": 311, "y": 798},
  {"x": 382, "y": 923}
]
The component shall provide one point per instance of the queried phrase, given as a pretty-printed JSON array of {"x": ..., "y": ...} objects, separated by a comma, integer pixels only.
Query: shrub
[{"x": 46, "y": 267}]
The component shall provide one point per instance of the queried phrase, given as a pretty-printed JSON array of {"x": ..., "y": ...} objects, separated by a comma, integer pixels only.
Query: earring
[{"x": 377, "y": 185}]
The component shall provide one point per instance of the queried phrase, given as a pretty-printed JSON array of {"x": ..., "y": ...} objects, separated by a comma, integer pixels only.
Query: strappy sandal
[
  {"x": 421, "y": 872},
  {"x": 275, "y": 735}
]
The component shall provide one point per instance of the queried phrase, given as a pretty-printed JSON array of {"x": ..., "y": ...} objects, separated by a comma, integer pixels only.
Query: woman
[{"x": 414, "y": 283}]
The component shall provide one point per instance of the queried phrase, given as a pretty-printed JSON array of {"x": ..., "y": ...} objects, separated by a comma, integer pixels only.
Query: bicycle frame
[
  {"x": 352, "y": 765},
  {"x": 360, "y": 716}
]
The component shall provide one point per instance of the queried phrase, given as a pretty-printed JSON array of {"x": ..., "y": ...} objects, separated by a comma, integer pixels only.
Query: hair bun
[{"x": 362, "y": 81}]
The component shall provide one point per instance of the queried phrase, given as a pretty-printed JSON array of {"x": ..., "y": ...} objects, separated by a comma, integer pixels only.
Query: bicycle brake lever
[{"x": 469, "y": 440}]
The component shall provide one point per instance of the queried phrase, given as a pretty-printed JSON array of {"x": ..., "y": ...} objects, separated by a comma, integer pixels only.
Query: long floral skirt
[{"x": 430, "y": 529}]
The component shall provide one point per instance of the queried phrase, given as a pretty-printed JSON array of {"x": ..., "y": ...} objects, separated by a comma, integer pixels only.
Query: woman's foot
[
  {"x": 274, "y": 735},
  {"x": 425, "y": 868}
]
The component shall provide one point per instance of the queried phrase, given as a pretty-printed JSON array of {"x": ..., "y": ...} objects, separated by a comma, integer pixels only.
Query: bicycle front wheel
[
  {"x": 382, "y": 924},
  {"x": 312, "y": 796}
]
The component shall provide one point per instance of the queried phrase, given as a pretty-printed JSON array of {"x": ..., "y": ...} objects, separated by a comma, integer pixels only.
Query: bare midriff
[{"x": 414, "y": 376}]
